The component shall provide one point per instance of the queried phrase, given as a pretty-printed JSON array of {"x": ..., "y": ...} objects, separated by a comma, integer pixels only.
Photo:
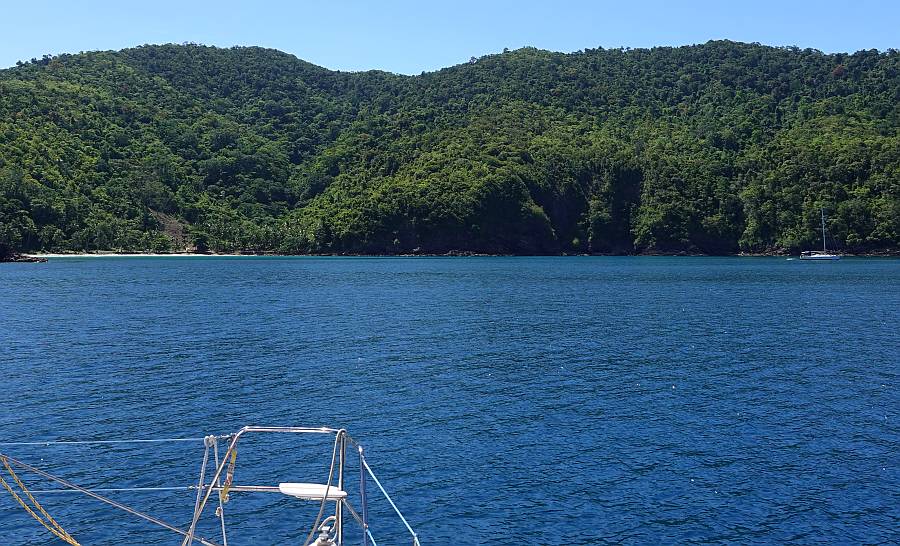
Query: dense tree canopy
[{"x": 717, "y": 148}]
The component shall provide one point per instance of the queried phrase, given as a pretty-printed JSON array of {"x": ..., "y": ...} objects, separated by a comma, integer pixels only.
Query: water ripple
[{"x": 503, "y": 400}]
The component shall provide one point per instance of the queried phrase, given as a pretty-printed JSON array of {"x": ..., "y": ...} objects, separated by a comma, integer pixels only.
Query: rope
[
  {"x": 101, "y": 498},
  {"x": 119, "y": 489},
  {"x": 229, "y": 477},
  {"x": 388, "y": 497},
  {"x": 190, "y": 534},
  {"x": 215, "y": 479},
  {"x": 32, "y": 513},
  {"x": 315, "y": 527},
  {"x": 223, "y": 487},
  {"x": 52, "y": 526},
  {"x": 221, "y": 510},
  {"x": 77, "y": 442},
  {"x": 63, "y": 534},
  {"x": 233, "y": 446}
]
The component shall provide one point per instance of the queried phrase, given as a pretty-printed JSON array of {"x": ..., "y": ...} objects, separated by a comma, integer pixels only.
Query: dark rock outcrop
[{"x": 7, "y": 255}]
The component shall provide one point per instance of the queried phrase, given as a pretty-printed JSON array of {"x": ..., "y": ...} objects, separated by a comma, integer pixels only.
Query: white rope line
[
  {"x": 118, "y": 489},
  {"x": 388, "y": 497},
  {"x": 86, "y": 442}
]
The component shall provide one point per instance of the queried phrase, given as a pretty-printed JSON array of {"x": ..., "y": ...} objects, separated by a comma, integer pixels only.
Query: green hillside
[{"x": 717, "y": 148}]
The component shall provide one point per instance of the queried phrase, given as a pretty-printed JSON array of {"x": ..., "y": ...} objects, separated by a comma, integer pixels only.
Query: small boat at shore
[
  {"x": 820, "y": 255},
  {"x": 335, "y": 510}
]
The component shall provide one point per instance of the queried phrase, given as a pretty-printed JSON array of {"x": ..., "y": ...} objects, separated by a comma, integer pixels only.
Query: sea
[{"x": 499, "y": 400}]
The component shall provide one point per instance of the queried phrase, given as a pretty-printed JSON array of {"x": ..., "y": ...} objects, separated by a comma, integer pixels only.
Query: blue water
[{"x": 501, "y": 400}]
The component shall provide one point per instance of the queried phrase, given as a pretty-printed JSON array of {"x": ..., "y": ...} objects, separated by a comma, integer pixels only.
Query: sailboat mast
[{"x": 822, "y": 211}]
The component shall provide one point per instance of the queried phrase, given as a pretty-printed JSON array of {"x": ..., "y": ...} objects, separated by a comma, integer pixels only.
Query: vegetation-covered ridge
[{"x": 716, "y": 148}]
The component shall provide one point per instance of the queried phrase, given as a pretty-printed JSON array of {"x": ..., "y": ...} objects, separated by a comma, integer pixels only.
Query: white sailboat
[{"x": 820, "y": 254}]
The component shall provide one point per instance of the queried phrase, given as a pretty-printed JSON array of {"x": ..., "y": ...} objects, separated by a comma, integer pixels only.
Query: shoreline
[{"x": 55, "y": 255}]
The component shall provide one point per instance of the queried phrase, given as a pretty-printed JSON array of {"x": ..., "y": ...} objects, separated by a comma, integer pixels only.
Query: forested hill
[{"x": 717, "y": 148}]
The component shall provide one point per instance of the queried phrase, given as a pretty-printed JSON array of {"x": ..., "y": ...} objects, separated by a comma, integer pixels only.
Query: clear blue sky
[{"x": 414, "y": 36}]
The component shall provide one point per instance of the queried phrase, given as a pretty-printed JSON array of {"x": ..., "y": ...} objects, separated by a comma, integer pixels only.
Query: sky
[{"x": 410, "y": 37}]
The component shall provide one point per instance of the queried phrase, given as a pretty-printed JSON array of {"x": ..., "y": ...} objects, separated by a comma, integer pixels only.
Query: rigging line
[
  {"x": 33, "y": 514},
  {"x": 215, "y": 479},
  {"x": 62, "y": 532},
  {"x": 353, "y": 513},
  {"x": 30, "y": 511},
  {"x": 101, "y": 498},
  {"x": 388, "y": 497},
  {"x": 217, "y": 483},
  {"x": 315, "y": 527},
  {"x": 190, "y": 534},
  {"x": 119, "y": 489},
  {"x": 86, "y": 442}
]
